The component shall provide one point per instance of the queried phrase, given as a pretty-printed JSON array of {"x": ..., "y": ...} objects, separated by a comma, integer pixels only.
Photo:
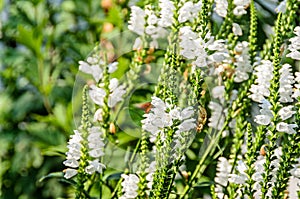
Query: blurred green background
[{"x": 41, "y": 42}]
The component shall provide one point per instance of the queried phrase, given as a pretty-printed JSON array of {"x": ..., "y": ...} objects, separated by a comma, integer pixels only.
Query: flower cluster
[
  {"x": 129, "y": 186},
  {"x": 95, "y": 151},
  {"x": 294, "y": 46},
  {"x": 162, "y": 115},
  {"x": 73, "y": 154}
]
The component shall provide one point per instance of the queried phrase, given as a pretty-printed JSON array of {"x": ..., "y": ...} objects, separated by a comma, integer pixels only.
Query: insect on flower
[{"x": 202, "y": 117}]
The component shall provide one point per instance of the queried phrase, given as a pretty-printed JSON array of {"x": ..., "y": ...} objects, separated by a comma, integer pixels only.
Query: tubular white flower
[
  {"x": 97, "y": 94},
  {"x": 222, "y": 175},
  {"x": 241, "y": 6},
  {"x": 166, "y": 13},
  {"x": 162, "y": 115},
  {"x": 195, "y": 48},
  {"x": 69, "y": 173},
  {"x": 286, "y": 84},
  {"x": 218, "y": 92},
  {"x": 95, "y": 142},
  {"x": 281, "y": 7},
  {"x": 241, "y": 177},
  {"x": 116, "y": 92},
  {"x": 221, "y": 7},
  {"x": 189, "y": 11},
  {"x": 264, "y": 74},
  {"x": 217, "y": 118},
  {"x": 93, "y": 67},
  {"x": 236, "y": 29},
  {"x": 286, "y": 112},
  {"x": 286, "y": 128},
  {"x": 98, "y": 115},
  {"x": 95, "y": 147},
  {"x": 137, "y": 20},
  {"x": 266, "y": 115},
  {"x": 242, "y": 62},
  {"x": 129, "y": 186},
  {"x": 294, "y": 46},
  {"x": 113, "y": 67},
  {"x": 150, "y": 170},
  {"x": 73, "y": 154}
]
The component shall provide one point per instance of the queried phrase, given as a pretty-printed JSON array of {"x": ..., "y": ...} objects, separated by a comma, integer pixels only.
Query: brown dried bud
[{"x": 112, "y": 128}]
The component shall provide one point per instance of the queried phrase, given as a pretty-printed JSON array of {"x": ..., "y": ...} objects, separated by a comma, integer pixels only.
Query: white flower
[
  {"x": 294, "y": 46},
  {"x": 241, "y": 5},
  {"x": 166, "y": 13},
  {"x": 150, "y": 170},
  {"x": 189, "y": 11},
  {"x": 73, "y": 154},
  {"x": 236, "y": 29},
  {"x": 286, "y": 81},
  {"x": 286, "y": 112},
  {"x": 218, "y": 92},
  {"x": 241, "y": 177},
  {"x": 223, "y": 171},
  {"x": 98, "y": 117},
  {"x": 187, "y": 113},
  {"x": 281, "y": 7},
  {"x": 95, "y": 142},
  {"x": 113, "y": 67},
  {"x": 92, "y": 67},
  {"x": 221, "y": 7},
  {"x": 217, "y": 115},
  {"x": 195, "y": 48},
  {"x": 97, "y": 94},
  {"x": 116, "y": 92},
  {"x": 138, "y": 44},
  {"x": 130, "y": 186},
  {"x": 137, "y": 20},
  {"x": 264, "y": 74},
  {"x": 94, "y": 166},
  {"x": 286, "y": 128},
  {"x": 242, "y": 62},
  {"x": 266, "y": 114},
  {"x": 69, "y": 173}
]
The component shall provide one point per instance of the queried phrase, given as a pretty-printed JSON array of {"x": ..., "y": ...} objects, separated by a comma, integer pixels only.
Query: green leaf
[{"x": 27, "y": 37}]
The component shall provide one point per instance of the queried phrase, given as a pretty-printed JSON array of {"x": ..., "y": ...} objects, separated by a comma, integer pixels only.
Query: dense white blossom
[
  {"x": 73, "y": 154},
  {"x": 92, "y": 66},
  {"x": 97, "y": 94},
  {"x": 222, "y": 175},
  {"x": 241, "y": 176},
  {"x": 129, "y": 186},
  {"x": 242, "y": 62},
  {"x": 264, "y": 74},
  {"x": 265, "y": 116},
  {"x": 116, "y": 92},
  {"x": 221, "y": 7},
  {"x": 194, "y": 47},
  {"x": 166, "y": 13},
  {"x": 137, "y": 20},
  {"x": 217, "y": 118},
  {"x": 286, "y": 84},
  {"x": 189, "y": 11},
  {"x": 162, "y": 115},
  {"x": 294, "y": 46}
]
